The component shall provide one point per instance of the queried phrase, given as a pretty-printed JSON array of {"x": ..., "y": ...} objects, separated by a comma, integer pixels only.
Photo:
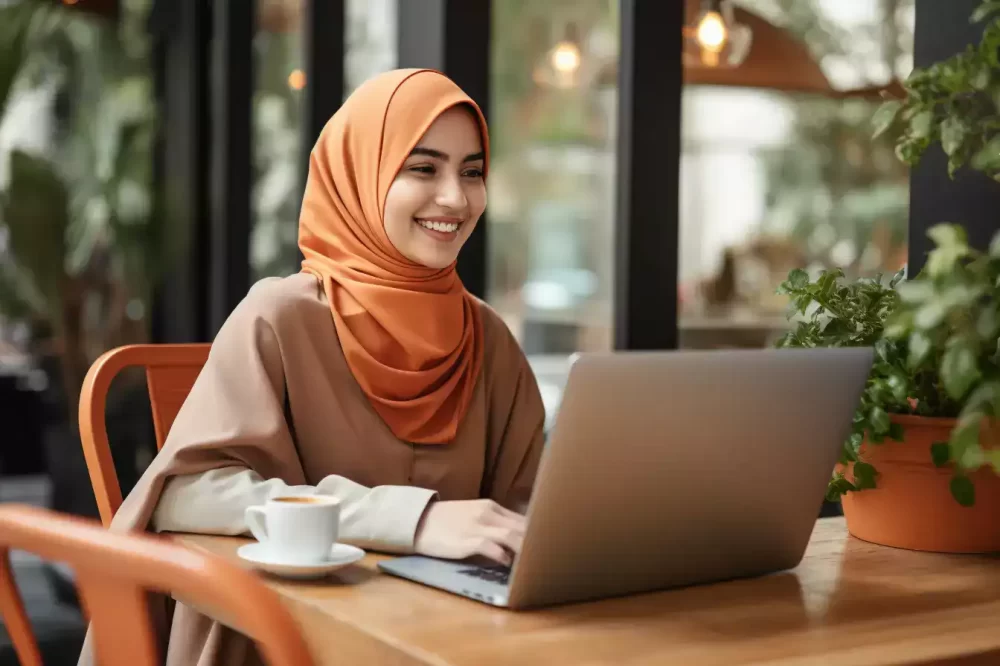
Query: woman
[{"x": 372, "y": 375}]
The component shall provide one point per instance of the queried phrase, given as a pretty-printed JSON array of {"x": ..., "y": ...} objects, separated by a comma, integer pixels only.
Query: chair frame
[
  {"x": 93, "y": 405},
  {"x": 114, "y": 572}
]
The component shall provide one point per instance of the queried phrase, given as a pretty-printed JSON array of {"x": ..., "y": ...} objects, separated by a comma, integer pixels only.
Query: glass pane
[
  {"x": 278, "y": 115},
  {"x": 551, "y": 184},
  {"x": 277, "y": 128},
  {"x": 772, "y": 180},
  {"x": 371, "y": 40}
]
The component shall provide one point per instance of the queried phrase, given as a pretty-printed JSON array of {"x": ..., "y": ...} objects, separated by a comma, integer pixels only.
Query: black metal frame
[
  {"x": 650, "y": 80},
  {"x": 453, "y": 36},
  {"x": 232, "y": 158},
  {"x": 181, "y": 30}
]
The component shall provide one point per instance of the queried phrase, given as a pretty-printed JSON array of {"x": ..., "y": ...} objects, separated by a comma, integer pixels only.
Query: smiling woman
[
  {"x": 372, "y": 376},
  {"x": 439, "y": 195}
]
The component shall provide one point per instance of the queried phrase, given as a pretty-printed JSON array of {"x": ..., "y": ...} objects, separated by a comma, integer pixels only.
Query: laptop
[{"x": 671, "y": 469}]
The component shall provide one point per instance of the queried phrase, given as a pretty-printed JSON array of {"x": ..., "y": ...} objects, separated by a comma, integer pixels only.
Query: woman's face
[{"x": 439, "y": 193}]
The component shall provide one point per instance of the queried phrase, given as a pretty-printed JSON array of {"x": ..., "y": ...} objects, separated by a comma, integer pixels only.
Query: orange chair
[
  {"x": 114, "y": 571},
  {"x": 170, "y": 373}
]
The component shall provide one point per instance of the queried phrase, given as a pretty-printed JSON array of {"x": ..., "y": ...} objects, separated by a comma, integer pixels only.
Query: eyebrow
[{"x": 437, "y": 154}]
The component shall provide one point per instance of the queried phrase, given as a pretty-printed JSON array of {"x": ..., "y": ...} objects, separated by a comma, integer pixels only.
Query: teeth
[{"x": 446, "y": 227}]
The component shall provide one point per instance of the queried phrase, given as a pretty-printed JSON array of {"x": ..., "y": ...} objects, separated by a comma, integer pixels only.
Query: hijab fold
[{"x": 411, "y": 335}]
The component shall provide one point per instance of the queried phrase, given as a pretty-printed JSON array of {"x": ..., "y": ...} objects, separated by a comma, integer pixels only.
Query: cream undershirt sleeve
[{"x": 383, "y": 518}]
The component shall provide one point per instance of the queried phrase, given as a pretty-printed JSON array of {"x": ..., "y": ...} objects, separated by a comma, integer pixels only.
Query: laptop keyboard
[{"x": 494, "y": 574}]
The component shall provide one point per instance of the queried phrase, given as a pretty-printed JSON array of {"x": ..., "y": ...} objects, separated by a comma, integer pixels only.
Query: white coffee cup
[{"x": 297, "y": 530}]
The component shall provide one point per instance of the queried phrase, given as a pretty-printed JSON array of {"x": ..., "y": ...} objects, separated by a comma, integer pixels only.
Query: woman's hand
[{"x": 456, "y": 530}]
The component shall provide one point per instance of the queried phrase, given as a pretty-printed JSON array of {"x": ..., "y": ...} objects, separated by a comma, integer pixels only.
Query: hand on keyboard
[{"x": 461, "y": 529}]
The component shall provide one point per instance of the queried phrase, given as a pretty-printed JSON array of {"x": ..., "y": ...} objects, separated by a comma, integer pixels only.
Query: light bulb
[
  {"x": 712, "y": 32},
  {"x": 297, "y": 79},
  {"x": 566, "y": 57}
]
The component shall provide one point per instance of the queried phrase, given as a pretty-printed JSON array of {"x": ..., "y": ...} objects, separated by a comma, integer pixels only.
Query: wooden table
[{"x": 848, "y": 602}]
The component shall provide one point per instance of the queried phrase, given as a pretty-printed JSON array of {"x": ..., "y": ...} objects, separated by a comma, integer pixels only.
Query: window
[
  {"x": 551, "y": 184},
  {"x": 772, "y": 181}
]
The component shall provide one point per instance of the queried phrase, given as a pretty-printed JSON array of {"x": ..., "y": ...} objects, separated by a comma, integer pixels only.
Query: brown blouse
[{"x": 279, "y": 353}]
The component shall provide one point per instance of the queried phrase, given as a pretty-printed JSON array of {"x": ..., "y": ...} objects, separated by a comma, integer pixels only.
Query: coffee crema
[{"x": 300, "y": 500}]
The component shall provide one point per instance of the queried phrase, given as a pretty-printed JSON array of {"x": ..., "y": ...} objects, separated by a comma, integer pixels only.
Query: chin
[{"x": 436, "y": 262}]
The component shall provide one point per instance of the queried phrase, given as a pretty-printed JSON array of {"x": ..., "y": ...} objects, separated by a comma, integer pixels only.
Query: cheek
[
  {"x": 476, "y": 196},
  {"x": 401, "y": 203}
]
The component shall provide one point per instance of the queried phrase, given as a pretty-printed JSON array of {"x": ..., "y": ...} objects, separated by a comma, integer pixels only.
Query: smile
[{"x": 445, "y": 227}]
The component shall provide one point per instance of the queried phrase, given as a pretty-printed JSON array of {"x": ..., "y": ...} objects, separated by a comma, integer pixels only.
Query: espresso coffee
[{"x": 298, "y": 500}]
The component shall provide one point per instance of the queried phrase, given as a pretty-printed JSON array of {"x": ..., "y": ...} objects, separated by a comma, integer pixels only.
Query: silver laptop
[{"x": 668, "y": 469}]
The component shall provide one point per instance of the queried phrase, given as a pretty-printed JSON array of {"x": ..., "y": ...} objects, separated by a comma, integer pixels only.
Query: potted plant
[{"x": 921, "y": 469}]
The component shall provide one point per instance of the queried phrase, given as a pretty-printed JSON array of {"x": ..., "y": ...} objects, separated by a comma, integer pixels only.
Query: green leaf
[
  {"x": 988, "y": 157},
  {"x": 36, "y": 212},
  {"x": 898, "y": 385},
  {"x": 931, "y": 314},
  {"x": 837, "y": 487},
  {"x": 965, "y": 435},
  {"x": 947, "y": 235},
  {"x": 879, "y": 420},
  {"x": 962, "y": 490},
  {"x": 855, "y": 441},
  {"x": 981, "y": 75},
  {"x": 952, "y": 245},
  {"x": 920, "y": 349},
  {"x": 18, "y": 299},
  {"x": 953, "y": 132},
  {"x": 836, "y": 329},
  {"x": 897, "y": 432},
  {"x": 985, "y": 399},
  {"x": 14, "y": 22},
  {"x": 901, "y": 273},
  {"x": 864, "y": 475},
  {"x": 959, "y": 370},
  {"x": 885, "y": 116},
  {"x": 916, "y": 291},
  {"x": 940, "y": 453},
  {"x": 798, "y": 279},
  {"x": 884, "y": 350},
  {"x": 993, "y": 457},
  {"x": 995, "y": 246},
  {"x": 984, "y": 10},
  {"x": 898, "y": 326},
  {"x": 920, "y": 124},
  {"x": 988, "y": 323}
]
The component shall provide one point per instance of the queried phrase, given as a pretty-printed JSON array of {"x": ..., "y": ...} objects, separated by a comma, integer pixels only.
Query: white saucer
[{"x": 340, "y": 556}]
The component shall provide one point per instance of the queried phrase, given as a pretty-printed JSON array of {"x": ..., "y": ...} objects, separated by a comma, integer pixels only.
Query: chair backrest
[
  {"x": 170, "y": 372},
  {"x": 114, "y": 572}
]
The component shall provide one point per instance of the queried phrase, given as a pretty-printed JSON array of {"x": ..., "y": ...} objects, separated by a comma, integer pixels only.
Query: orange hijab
[{"x": 411, "y": 335}]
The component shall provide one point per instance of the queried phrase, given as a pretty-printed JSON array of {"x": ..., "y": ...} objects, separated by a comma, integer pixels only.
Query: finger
[
  {"x": 509, "y": 539},
  {"x": 508, "y": 520},
  {"x": 495, "y": 552}
]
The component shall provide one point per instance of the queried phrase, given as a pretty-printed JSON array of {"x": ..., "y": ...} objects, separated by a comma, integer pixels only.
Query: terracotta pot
[{"x": 912, "y": 506}]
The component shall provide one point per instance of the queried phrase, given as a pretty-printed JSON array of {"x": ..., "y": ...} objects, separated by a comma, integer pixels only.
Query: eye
[
  {"x": 474, "y": 172},
  {"x": 426, "y": 169}
]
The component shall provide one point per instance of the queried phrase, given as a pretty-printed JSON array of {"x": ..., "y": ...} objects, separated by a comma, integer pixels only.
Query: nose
[{"x": 451, "y": 195}]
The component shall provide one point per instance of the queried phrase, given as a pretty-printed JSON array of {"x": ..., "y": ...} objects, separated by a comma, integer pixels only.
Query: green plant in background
[
  {"x": 954, "y": 102},
  {"x": 83, "y": 243},
  {"x": 937, "y": 336}
]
